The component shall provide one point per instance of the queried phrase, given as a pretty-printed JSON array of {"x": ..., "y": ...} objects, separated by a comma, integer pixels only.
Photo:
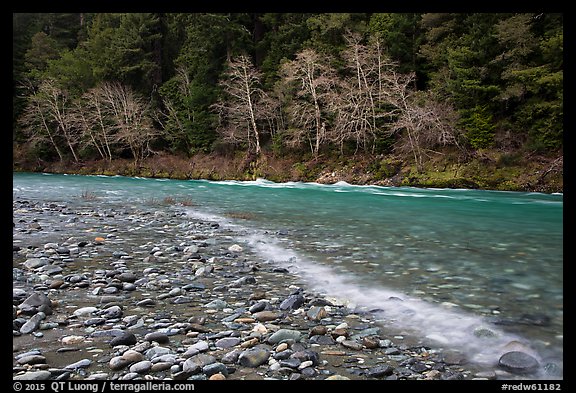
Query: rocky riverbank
[{"x": 147, "y": 293}]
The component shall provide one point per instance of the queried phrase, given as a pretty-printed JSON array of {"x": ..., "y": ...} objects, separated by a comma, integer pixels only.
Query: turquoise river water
[{"x": 448, "y": 266}]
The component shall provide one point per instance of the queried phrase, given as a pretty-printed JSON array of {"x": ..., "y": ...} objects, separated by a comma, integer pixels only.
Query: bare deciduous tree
[
  {"x": 113, "y": 114},
  {"x": 359, "y": 109},
  {"x": 315, "y": 83},
  {"x": 47, "y": 117},
  {"x": 129, "y": 113},
  {"x": 425, "y": 121},
  {"x": 92, "y": 116},
  {"x": 34, "y": 121},
  {"x": 245, "y": 104}
]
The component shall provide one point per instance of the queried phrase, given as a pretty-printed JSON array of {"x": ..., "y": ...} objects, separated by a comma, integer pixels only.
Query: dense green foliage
[{"x": 109, "y": 85}]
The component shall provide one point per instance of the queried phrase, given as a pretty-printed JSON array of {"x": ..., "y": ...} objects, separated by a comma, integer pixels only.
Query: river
[{"x": 447, "y": 266}]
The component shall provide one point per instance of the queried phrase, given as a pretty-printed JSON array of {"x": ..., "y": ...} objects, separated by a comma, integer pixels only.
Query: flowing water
[{"x": 446, "y": 266}]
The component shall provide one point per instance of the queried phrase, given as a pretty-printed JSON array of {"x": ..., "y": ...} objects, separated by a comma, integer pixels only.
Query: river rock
[
  {"x": 337, "y": 377},
  {"x": 486, "y": 375},
  {"x": 266, "y": 316},
  {"x": 235, "y": 248},
  {"x": 194, "y": 286},
  {"x": 34, "y": 301},
  {"x": 190, "y": 367},
  {"x": 316, "y": 313},
  {"x": 156, "y": 351},
  {"x": 318, "y": 330},
  {"x": 125, "y": 339},
  {"x": 18, "y": 294},
  {"x": 41, "y": 375},
  {"x": 284, "y": 334},
  {"x": 32, "y": 359},
  {"x": 322, "y": 340},
  {"x": 160, "y": 338},
  {"x": 126, "y": 277},
  {"x": 118, "y": 363},
  {"x": 352, "y": 344},
  {"x": 141, "y": 367},
  {"x": 50, "y": 270},
  {"x": 79, "y": 364},
  {"x": 518, "y": 362},
  {"x": 254, "y": 357},
  {"x": 258, "y": 306},
  {"x": 146, "y": 303},
  {"x": 94, "y": 321},
  {"x": 33, "y": 323},
  {"x": 291, "y": 363},
  {"x": 55, "y": 284},
  {"x": 217, "y": 304},
  {"x": 161, "y": 366},
  {"x": 73, "y": 340},
  {"x": 133, "y": 356},
  {"x": 204, "y": 359},
  {"x": 215, "y": 368},
  {"x": 305, "y": 355},
  {"x": 371, "y": 342},
  {"x": 196, "y": 348},
  {"x": 227, "y": 342},
  {"x": 112, "y": 312},
  {"x": 34, "y": 263},
  {"x": 232, "y": 356},
  {"x": 292, "y": 302}
]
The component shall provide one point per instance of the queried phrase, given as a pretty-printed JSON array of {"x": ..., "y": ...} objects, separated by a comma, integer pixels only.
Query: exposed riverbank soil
[{"x": 480, "y": 170}]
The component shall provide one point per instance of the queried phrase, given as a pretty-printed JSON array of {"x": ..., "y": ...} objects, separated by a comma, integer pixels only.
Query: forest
[{"x": 449, "y": 99}]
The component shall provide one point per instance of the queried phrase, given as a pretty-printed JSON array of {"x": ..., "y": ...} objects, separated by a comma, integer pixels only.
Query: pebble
[
  {"x": 316, "y": 313},
  {"x": 215, "y": 368},
  {"x": 284, "y": 334},
  {"x": 118, "y": 363},
  {"x": 292, "y": 302},
  {"x": 235, "y": 248},
  {"x": 266, "y": 316},
  {"x": 254, "y": 357},
  {"x": 132, "y": 356},
  {"x": 379, "y": 371},
  {"x": 160, "y": 338},
  {"x": 41, "y": 375},
  {"x": 83, "y": 311},
  {"x": 227, "y": 342},
  {"x": 141, "y": 367},
  {"x": 33, "y": 323},
  {"x": 126, "y": 338},
  {"x": 79, "y": 364},
  {"x": 32, "y": 359},
  {"x": 352, "y": 344}
]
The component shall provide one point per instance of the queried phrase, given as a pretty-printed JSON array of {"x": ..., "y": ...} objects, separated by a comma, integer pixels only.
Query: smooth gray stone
[
  {"x": 292, "y": 302},
  {"x": 518, "y": 362},
  {"x": 124, "y": 339},
  {"x": 41, "y": 375},
  {"x": 215, "y": 368},
  {"x": 227, "y": 342},
  {"x": 284, "y": 334},
  {"x": 141, "y": 367},
  {"x": 254, "y": 357},
  {"x": 160, "y": 338},
  {"x": 79, "y": 364},
  {"x": 33, "y": 323}
]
